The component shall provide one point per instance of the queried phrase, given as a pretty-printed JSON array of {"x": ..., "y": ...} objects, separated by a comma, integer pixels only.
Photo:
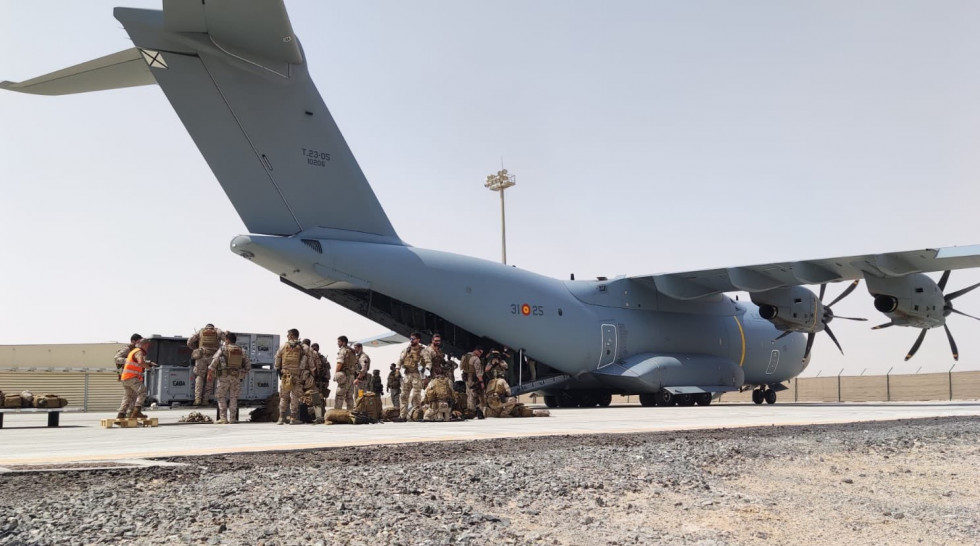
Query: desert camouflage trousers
[
  {"x": 438, "y": 411},
  {"x": 229, "y": 389},
  {"x": 289, "y": 399},
  {"x": 474, "y": 395},
  {"x": 495, "y": 408},
  {"x": 133, "y": 395},
  {"x": 203, "y": 388},
  {"x": 345, "y": 391},
  {"x": 411, "y": 392}
]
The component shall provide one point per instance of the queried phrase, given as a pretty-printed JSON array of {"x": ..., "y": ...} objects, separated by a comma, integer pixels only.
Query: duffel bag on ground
[
  {"x": 49, "y": 401},
  {"x": 11, "y": 401},
  {"x": 369, "y": 404}
]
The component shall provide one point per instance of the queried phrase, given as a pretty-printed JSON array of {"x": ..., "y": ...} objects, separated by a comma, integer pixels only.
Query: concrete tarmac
[{"x": 26, "y": 440}]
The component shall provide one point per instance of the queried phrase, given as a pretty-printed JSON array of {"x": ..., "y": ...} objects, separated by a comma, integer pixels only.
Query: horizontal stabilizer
[{"x": 127, "y": 68}]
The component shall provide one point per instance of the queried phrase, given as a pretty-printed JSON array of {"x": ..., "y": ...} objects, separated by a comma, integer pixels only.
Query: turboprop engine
[
  {"x": 916, "y": 300},
  {"x": 797, "y": 309},
  {"x": 913, "y": 300},
  {"x": 791, "y": 309}
]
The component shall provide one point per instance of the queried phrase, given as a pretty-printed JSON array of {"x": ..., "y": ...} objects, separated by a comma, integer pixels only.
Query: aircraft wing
[{"x": 757, "y": 278}]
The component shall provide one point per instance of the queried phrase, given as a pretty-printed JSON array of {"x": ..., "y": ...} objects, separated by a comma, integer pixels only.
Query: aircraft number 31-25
[{"x": 526, "y": 309}]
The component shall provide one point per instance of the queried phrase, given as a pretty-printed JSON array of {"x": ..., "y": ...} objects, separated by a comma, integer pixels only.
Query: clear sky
[{"x": 646, "y": 137}]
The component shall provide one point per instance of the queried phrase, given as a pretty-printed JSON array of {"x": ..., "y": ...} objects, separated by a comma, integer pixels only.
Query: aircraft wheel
[
  {"x": 587, "y": 399},
  {"x": 703, "y": 399},
  {"x": 685, "y": 400},
  {"x": 665, "y": 398},
  {"x": 567, "y": 399},
  {"x": 770, "y": 396},
  {"x": 758, "y": 396},
  {"x": 551, "y": 400},
  {"x": 604, "y": 399},
  {"x": 648, "y": 399}
]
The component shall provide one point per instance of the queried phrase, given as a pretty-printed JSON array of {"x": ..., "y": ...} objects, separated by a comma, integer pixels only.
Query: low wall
[{"x": 877, "y": 388}]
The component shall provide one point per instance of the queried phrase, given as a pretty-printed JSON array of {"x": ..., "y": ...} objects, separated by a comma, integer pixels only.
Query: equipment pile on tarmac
[
  {"x": 195, "y": 417},
  {"x": 885, "y": 482}
]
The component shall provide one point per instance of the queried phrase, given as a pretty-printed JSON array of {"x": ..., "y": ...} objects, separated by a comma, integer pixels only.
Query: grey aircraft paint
[{"x": 237, "y": 78}]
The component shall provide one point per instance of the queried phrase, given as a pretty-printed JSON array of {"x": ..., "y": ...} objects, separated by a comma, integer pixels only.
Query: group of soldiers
[
  {"x": 305, "y": 373},
  {"x": 485, "y": 392},
  {"x": 421, "y": 384}
]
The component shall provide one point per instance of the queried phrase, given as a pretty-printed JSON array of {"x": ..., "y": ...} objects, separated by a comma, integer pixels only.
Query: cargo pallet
[{"x": 130, "y": 423}]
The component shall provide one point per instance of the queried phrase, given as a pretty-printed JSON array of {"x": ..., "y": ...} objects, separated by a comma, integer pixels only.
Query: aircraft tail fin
[{"x": 237, "y": 78}]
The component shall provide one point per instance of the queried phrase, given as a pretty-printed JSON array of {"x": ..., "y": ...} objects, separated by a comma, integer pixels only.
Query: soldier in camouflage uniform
[
  {"x": 120, "y": 357},
  {"x": 394, "y": 385},
  {"x": 499, "y": 401},
  {"x": 134, "y": 387},
  {"x": 472, "y": 369},
  {"x": 230, "y": 365},
  {"x": 203, "y": 344},
  {"x": 495, "y": 367},
  {"x": 363, "y": 360},
  {"x": 439, "y": 397},
  {"x": 409, "y": 362},
  {"x": 321, "y": 372},
  {"x": 434, "y": 359},
  {"x": 292, "y": 361},
  {"x": 344, "y": 375}
]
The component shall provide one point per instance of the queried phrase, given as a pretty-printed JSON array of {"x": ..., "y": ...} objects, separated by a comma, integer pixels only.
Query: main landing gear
[
  {"x": 764, "y": 393},
  {"x": 578, "y": 399},
  {"x": 663, "y": 397}
]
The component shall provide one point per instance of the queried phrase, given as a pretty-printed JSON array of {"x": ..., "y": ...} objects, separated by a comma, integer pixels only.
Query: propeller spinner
[{"x": 828, "y": 315}]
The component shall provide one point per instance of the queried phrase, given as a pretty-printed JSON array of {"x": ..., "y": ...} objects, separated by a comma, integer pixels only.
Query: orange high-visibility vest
[{"x": 132, "y": 369}]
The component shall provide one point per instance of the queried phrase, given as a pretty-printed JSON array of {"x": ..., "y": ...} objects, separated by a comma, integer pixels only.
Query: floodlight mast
[{"x": 500, "y": 182}]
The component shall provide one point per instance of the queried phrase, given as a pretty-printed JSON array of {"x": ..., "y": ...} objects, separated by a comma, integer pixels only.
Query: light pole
[{"x": 500, "y": 182}]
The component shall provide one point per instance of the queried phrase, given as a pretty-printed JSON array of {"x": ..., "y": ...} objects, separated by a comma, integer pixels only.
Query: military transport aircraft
[{"x": 237, "y": 78}]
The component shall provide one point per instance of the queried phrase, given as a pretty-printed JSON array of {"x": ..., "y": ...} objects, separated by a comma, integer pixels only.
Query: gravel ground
[{"x": 902, "y": 482}]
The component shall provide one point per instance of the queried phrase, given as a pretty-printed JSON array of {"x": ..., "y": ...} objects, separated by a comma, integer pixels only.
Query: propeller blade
[
  {"x": 952, "y": 344},
  {"x": 942, "y": 281},
  {"x": 809, "y": 344},
  {"x": 851, "y": 318},
  {"x": 964, "y": 314},
  {"x": 845, "y": 293},
  {"x": 885, "y": 325},
  {"x": 958, "y": 293},
  {"x": 782, "y": 335},
  {"x": 823, "y": 288},
  {"x": 833, "y": 337},
  {"x": 918, "y": 342}
]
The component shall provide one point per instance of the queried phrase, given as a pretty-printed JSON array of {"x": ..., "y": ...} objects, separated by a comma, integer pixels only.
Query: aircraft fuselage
[{"x": 577, "y": 327}]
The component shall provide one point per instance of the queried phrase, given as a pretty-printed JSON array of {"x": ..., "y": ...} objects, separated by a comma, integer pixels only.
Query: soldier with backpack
[
  {"x": 409, "y": 361},
  {"x": 394, "y": 385},
  {"x": 203, "y": 344},
  {"x": 321, "y": 372},
  {"x": 230, "y": 364},
  {"x": 291, "y": 361}
]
